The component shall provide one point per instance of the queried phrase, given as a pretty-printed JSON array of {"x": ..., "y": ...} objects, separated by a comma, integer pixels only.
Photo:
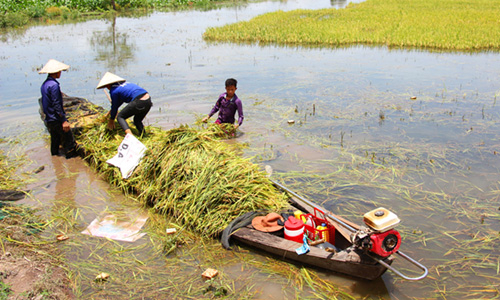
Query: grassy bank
[
  {"x": 20, "y": 12},
  {"x": 438, "y": 24}
]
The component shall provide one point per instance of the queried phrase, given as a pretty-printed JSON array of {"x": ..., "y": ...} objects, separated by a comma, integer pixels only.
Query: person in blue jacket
[
  {"x": 121, "y": 91},
  {"x": 52, "y": 106}
]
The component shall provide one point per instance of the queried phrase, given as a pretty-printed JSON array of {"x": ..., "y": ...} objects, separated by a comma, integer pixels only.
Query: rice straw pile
[{"x": 189, "y": 174}]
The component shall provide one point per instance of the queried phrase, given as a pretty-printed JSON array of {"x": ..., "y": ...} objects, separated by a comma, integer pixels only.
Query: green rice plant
[
  {"x": 189, "y": 174},
  {"x": 10, "y": 178},
  {"x": 439, "y": 24},
  {"x": 4, "y": 290}
]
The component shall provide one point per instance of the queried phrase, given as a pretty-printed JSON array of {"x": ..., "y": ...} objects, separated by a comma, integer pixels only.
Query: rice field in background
[{"x": 435, "y": 24}]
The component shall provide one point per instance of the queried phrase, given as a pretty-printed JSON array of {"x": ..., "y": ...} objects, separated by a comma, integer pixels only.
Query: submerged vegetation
[
  {"x": 8, "y": 178},
  {"x": 439, "y": 24},
  {"x": 443, "y": 184},
  {"x": 20, "y": 12}
]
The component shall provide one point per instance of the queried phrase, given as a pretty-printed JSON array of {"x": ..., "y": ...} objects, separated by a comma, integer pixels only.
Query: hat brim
[
  {"x": 109, "y": 78},
  {"x": 257, "y": 225},
  {"x": 53, "y": 66}
]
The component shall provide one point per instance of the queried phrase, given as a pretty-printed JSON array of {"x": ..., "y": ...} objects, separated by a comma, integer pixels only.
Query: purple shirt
[
  {"x": 227, "y": 109},
  {"x": 52, "y": 101}
]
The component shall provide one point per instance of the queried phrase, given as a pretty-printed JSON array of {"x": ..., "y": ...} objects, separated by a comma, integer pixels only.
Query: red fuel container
[{"x": 294, "y": 230}]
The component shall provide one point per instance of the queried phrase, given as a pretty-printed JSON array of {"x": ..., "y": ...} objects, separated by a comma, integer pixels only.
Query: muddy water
[{"x": 358, "y": 141}]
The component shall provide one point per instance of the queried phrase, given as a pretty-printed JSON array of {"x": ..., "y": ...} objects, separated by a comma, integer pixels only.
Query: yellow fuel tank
[{"x": 381, "y": 219}]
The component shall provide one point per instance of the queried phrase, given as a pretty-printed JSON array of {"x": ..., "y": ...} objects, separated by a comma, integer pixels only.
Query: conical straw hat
[
  {"x": 109, "y": 78},
  {"x": 53, "y": 66}
]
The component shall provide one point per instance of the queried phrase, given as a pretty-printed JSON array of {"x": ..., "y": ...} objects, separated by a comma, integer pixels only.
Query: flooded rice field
[{"x": 412, "y": 130}]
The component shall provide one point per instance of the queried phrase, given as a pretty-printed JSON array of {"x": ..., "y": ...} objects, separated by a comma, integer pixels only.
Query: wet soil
[{"x": 30, "y": 268}]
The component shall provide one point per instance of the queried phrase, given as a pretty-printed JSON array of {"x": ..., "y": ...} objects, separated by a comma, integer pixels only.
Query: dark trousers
[
  {"x": 58, "y": 137},
  {"x": 137, "y": 108}
]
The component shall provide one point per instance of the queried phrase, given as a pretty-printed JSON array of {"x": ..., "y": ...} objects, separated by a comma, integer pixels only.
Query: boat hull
[
  {"x": 351, "y": 263},
  {"x": 349, "y": 260}
]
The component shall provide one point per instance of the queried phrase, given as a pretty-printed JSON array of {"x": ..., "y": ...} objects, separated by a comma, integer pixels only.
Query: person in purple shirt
[
  {"x": 138, "y": 99},
  {"x": 52, "y": 106},
  {"x": 227, "y": 105}
]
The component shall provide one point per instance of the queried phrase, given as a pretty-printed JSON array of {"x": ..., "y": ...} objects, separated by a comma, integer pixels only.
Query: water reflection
[
  {"x": 65, "y": 180},
  {"x": 339, "y": 3},
  {"x": 114, "y": 49}
]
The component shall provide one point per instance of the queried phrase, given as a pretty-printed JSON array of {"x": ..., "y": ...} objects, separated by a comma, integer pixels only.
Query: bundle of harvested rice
[{"x": 187, "y": 173}]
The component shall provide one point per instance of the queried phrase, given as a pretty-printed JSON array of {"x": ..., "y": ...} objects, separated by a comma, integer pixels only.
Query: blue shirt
[
  {"x": 124, "y": 92},
  {"x": 227, "y": 109},
  {"x": 52, "y": 102}
]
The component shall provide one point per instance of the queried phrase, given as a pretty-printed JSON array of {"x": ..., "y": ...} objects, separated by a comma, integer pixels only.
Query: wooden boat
[
  {"x": 349, "y": 258},
  {"x": 79, "y": 111}
]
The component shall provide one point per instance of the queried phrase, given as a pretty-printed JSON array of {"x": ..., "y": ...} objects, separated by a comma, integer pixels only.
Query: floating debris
[
  {"x": 209, "y": 273},
  {"x": 171, "y": 230},
  {"x": 62, "y": 237},
  {"x": 11, "y": 195},
  {"x": 102, "y": 277}
]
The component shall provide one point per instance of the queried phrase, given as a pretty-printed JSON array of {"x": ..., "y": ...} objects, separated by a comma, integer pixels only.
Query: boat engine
[{"x": 379, "y": 237}]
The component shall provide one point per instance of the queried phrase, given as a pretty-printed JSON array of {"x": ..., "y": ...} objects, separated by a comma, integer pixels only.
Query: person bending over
[{"x": 121, "y": 91}]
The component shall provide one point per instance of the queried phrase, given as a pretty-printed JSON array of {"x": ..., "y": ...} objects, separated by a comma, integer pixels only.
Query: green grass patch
[
  {"x": 4, "y": 290},
  {"x": 20, "y": 12},
  {"x": 94, "y": 5},
  {"x": 438, "y": 24}
]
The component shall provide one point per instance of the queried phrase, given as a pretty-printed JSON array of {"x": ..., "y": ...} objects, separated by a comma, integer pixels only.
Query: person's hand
[
  {"x": 205, "y": 119},
  {"x": 66, "y": 126},
  {"x": 111, "y": 124},
  {"x": 128, "y": 131},
  {"x": 236, "y": 126}
]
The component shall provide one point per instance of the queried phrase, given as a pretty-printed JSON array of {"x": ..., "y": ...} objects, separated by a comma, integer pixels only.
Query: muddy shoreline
[{"x": 31, "y": 265}]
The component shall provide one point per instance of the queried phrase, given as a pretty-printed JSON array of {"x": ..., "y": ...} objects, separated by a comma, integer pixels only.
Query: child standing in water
[{"x": 227, "y": 105}]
